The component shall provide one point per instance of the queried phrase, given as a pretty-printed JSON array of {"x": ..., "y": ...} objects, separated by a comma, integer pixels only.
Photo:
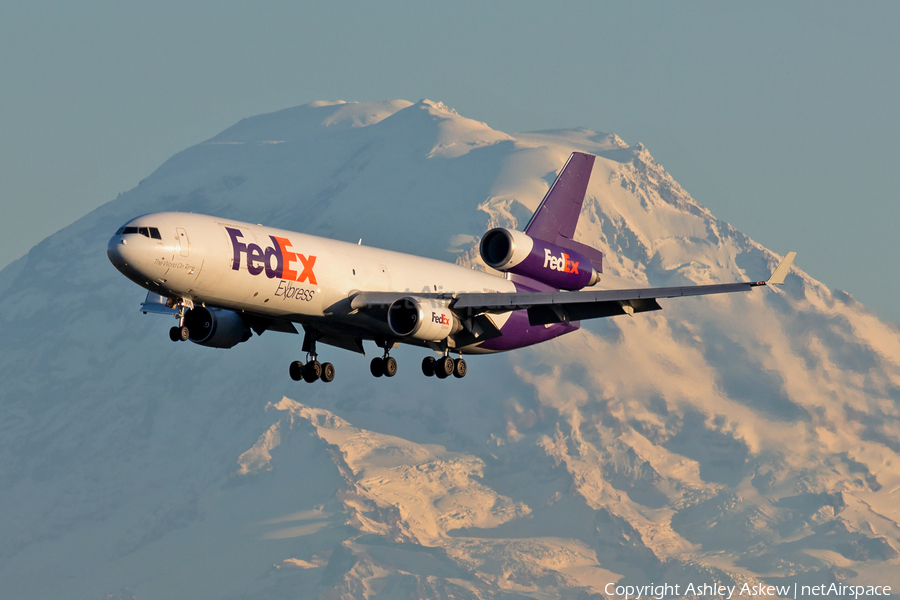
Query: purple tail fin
[{"x": 556, "y": 219}]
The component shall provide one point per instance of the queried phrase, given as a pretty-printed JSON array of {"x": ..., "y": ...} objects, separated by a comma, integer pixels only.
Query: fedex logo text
[
  {"x": 277, "y": 260},
  {"x": 440, "y": 319},
  {"x": 560, "y": 263}
]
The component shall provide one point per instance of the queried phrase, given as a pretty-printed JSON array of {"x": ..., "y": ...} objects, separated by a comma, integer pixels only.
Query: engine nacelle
[
  {"x": 216, "y": 327},
  {"x": 513, "y": 251},
  {"x": 422, "y": 318}
]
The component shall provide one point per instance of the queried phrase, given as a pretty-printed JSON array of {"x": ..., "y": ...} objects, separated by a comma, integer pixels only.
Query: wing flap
[
  {"x": 346, "y": 342},
  {"x": 260, "y": 323},
  {"x": 565, "y": 313},
  {"x": 479, "y": 328},
  {"x": 579, "y": 301}
]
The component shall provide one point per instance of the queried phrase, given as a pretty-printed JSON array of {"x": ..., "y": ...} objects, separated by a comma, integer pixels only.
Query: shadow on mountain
[
  {"x": 722, "y": 458},
  {"x": 744, "y": 379}
]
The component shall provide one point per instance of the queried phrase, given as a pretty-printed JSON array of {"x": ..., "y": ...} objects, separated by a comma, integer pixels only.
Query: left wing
[{"x": 561, "y": 307}]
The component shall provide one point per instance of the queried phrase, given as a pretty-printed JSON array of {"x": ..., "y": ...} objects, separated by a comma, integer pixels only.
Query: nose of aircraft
[{"x": 117, "y": 252}]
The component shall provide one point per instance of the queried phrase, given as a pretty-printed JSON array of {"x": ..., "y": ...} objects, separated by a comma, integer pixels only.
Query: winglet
[{"x": 781, "y": 271}]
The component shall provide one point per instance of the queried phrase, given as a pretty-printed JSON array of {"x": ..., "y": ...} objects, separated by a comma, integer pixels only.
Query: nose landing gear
[{"x": 180, "y": 333}]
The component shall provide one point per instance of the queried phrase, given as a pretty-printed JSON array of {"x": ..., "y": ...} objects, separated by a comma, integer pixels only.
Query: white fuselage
[{"x": 277, "y": 273}]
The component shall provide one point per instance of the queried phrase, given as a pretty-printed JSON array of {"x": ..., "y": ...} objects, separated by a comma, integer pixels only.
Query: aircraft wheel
[
  {"x": 312, "y": 371},
  {"x": 184, "y": 334},
  {"x": 377, "y": 367},
  {"x": 296, "y": 370},
  {"x": 428, "y": 366},
  {"x": 327, "y": 372},
  {"x": 443, "y": 367},
  {"x": 459, "y": 368},
  {"x": 390, "y": 366},
  {"x": 175, "y": 334}
]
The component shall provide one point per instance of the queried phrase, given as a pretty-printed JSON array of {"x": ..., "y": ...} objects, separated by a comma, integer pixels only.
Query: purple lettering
[
  {"x": 239, "y": 247},
  {"x": 254, "y": 256},
  {"x": 275, "y": 260},
  {"x": 276, "y": 271}
]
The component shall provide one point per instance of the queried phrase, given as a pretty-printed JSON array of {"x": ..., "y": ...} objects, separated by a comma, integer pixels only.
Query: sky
[{"x": 781, "y": 118}]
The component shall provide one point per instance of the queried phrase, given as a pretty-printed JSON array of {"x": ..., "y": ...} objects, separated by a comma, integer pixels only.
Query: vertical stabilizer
[{"x": 556, "y": 219}]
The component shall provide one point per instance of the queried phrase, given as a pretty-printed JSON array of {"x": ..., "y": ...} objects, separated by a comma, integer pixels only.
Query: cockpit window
[{"x": 150, "y": 232}]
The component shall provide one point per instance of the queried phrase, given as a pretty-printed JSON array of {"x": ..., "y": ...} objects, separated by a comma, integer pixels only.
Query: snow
[{"x": 753, "y": 437}]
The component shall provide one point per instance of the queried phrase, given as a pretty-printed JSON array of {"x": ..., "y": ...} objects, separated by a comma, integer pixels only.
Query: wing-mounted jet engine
[
  {"x": 422, "y": 319},
  {"x": 214, "y": 327},
  {"x": 207, "y": 326}
]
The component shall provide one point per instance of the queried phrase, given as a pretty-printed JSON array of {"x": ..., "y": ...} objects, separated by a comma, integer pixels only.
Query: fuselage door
[{"x": 184, "y": 245}]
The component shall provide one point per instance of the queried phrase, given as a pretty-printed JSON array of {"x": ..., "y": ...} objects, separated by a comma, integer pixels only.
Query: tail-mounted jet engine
[
  {"x": 513, "y": 251},
  {"x": 216, "y": 327},
  {"x": 422, "y": 319}
]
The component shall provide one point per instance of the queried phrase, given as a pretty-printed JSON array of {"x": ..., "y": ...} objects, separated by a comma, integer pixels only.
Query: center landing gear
[
  {"x": 386, "y": 365},
  {"x": 313, "y": 369},
  {"x": 444, "y": 367}
]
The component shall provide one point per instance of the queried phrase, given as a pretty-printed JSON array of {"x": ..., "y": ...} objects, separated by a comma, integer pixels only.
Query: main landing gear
[
  {"x": 385, "y": 365},
  {"x": 381, "y": 366},
  {"x": 313, "y": 369},
  {"x": 444, "y": 367},
  {"x": 441, "y": 368}
]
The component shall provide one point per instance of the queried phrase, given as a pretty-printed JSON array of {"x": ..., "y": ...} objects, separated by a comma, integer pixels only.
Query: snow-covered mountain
[{"x": 736, "y": 439}]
